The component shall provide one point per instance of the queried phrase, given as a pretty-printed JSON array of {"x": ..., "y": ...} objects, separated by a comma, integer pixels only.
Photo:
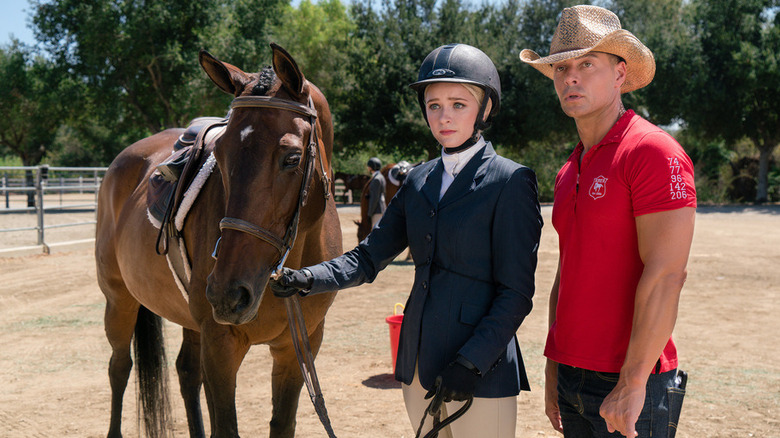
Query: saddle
[{"x": 174, "y": 177}]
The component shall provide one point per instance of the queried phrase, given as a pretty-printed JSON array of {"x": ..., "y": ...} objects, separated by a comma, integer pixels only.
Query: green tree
[
  {"x": 134, "y": 59},
  {"x": 530, "y": 110},
  {"x": 661, "y": 26},
  {"x": 381, "y": 109},
  {"x": 30, "y": 106},
  {"x": 733, "y": 90},
  {"x": 317, "y": 36},
  {"x": 397, "y": 36},
  {"x": 30, "y": 103},
  {"x": 239, "y": 34}
]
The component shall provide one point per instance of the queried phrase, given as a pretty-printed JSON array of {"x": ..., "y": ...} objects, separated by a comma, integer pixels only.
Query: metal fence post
[
  {"x": 39, "y": 204},
  {"x": 5, "y": 190},
  {"x": 97, "y": 190}
]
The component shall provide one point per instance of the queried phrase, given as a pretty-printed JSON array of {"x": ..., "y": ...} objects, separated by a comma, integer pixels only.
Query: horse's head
[{"x": 271, "y": 155}]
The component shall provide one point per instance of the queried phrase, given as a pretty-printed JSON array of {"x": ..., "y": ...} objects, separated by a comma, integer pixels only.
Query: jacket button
[
  {"x": 428, "y": 261},
  {"x": 432, "y": 213},
  {"x": 425, "y": 285},
  {"x": 428, "y": 237}
]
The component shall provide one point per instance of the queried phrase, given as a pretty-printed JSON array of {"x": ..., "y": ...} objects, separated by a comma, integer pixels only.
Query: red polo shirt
[{"x": 636, "y": 169}]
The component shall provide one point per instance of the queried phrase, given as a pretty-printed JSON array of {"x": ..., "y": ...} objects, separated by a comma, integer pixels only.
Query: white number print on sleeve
[{"x": 677, "y": 189}]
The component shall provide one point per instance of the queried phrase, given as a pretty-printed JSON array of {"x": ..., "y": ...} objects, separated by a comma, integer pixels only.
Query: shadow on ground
[{"x": 382, "y": 381}]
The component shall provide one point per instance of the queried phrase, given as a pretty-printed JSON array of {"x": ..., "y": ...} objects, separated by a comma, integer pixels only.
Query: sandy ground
[{"x": 54, "y": 356}]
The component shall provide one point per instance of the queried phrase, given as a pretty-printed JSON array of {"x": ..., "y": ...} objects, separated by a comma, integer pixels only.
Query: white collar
[{"x": 454, "y": 163}]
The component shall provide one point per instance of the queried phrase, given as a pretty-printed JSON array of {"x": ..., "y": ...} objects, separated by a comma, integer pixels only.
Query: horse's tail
[{"x": 152, "y": 374}]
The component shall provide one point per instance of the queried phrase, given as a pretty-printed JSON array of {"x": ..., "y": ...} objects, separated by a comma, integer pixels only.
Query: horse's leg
[
  {"x": 191, "y": 380},
  {"x": 119, "y": 326},
  {"x": 286, "y": 384},
  {"x": 222, "y": 351}
]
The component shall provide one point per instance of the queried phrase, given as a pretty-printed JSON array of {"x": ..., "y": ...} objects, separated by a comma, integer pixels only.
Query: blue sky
[{"x": 13, "y": 20}]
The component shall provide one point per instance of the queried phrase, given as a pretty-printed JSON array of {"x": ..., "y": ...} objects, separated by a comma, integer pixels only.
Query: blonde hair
[{"x": 475, "y": 91}]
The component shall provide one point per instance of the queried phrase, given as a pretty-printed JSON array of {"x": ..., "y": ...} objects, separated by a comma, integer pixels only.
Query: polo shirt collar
[{"x": 614, "y": 135}]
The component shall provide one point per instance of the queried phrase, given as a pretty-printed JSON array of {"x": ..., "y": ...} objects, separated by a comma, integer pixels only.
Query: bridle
[{"x": 284, "y": 244}]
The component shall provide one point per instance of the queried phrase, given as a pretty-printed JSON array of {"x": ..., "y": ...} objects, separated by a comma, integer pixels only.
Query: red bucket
[{"x": 394, "y": 321}]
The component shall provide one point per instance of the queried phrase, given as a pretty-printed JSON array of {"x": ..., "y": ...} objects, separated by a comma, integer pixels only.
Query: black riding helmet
[
  {"x": 461, "y": 63},
  {"x": 374, "y": 163}
]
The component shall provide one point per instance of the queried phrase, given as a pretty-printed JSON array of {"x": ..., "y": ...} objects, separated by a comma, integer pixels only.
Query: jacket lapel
[
  {"x": 470, "y": 177},
  {"x": 432, "y": 185}
]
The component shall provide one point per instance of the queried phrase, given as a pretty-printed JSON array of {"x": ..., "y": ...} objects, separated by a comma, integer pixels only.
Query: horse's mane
[{"x": 265, "y": 80}]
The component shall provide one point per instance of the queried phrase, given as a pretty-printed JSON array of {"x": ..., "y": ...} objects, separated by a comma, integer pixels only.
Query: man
[
  {"x": 624, "y": 211},
  {"x": 376, "y": 191}
]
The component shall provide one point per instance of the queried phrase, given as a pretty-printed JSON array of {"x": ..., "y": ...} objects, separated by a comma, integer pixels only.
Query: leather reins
[
  {"x": 434, "y": 410},
  {"x": 285, "y": 244}
]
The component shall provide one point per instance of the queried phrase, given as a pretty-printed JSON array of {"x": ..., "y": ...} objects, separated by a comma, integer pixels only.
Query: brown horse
[
  {"x": 395, "y": 174},
  {"x": 257, "y": 190},
  {"x": 351, "y": 180}
]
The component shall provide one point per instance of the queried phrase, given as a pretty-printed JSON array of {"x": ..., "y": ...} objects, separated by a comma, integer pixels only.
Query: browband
[{"x": 273, "y": 102}]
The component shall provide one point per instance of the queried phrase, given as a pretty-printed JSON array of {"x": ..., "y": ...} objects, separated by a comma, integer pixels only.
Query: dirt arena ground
[{"x": 54, "y": 356}]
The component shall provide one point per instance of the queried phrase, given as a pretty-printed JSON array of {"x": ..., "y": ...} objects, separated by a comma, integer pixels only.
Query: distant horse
[
  {"x": 262, "y": 186},
  {"x": 395, "y": 174},
  {"x": 352, "y": 182}
]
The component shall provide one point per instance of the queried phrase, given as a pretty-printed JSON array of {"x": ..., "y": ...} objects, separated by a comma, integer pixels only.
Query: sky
[{"x": 14, "y": 20}]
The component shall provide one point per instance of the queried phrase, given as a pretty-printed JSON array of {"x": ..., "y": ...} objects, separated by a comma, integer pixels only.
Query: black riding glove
[
  {"x": 291, "y": 282},
  {"x": 456, "y": 382}
]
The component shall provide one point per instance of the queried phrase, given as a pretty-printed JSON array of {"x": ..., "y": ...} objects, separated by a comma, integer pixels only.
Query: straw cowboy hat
[{"x": 586, "y": 28}]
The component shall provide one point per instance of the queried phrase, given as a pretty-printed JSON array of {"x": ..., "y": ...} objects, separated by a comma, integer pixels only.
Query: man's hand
[
  {"x": 291, "y": 282},
  {"x": 551, "y": 407},
  {"x": 621, "y": 408}
]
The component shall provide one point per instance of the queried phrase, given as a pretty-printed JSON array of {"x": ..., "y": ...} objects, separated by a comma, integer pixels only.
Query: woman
[{"x": 472, "y": 222}]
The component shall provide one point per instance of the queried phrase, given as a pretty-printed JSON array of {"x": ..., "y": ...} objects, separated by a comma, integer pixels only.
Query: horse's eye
[{"x": 292, "y": 160}]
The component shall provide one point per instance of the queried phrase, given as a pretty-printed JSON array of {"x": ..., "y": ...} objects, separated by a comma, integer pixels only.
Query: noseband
[{"x": 283, "y": 245}]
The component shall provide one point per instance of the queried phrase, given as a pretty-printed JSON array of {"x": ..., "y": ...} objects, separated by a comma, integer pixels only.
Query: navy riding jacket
[{"x": 475, "y": 253}]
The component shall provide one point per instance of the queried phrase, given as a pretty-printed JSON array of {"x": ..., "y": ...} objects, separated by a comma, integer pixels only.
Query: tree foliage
[
  {"x": 30, "y": 103},
  {"x": 107, "y": 73},
  {"x": 137, "y": 55},
  {"x": 735, "y": 81},
  {"x": 319, "y": 37}
]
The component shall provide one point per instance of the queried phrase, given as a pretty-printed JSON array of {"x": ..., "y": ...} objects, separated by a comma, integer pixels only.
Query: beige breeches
[{"x": 487, "y": 417}]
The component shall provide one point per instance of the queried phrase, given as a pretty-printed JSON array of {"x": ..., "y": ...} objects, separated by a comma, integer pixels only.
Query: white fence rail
[
  {"x": 34, "y": 199},
  {"x": 40, "y": 205}
]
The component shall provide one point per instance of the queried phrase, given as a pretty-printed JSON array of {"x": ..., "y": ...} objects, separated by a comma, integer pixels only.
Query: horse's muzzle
[{"x": 236, "y": 303}]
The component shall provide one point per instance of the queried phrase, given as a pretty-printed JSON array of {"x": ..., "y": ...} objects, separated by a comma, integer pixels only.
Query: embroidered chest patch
[{"x": 598, "y": 188}]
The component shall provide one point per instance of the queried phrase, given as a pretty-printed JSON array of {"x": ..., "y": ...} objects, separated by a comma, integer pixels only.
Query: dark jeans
[{"x": 581, "y": 392}]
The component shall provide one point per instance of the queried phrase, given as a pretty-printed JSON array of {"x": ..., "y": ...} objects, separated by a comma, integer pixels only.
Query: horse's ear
[
  {"x": 287, "y": 70},
  {"x": 228, "y": 78}
]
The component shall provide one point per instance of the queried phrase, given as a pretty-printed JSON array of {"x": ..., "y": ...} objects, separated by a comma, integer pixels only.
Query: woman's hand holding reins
[
  {"x": 291, "y": 282},
  {"x": 454, "y": 383}
]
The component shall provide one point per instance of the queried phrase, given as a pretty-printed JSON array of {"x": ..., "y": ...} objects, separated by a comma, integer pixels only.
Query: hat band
[{"x": 571, "y": 49}]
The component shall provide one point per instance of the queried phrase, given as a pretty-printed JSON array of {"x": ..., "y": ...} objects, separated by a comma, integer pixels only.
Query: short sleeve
[{"x": 660, "y": 175}]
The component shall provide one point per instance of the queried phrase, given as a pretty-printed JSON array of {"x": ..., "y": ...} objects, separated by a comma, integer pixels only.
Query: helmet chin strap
[{"x": 479, "y": 125}]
